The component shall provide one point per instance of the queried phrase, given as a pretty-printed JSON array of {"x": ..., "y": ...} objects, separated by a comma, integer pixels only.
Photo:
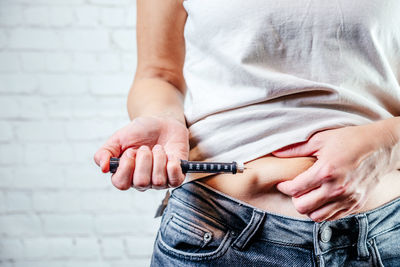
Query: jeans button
[{"x": 326, "y": 234}]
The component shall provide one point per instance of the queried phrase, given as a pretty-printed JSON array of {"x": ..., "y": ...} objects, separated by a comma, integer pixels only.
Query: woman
[{"x": 305, "y": 93}]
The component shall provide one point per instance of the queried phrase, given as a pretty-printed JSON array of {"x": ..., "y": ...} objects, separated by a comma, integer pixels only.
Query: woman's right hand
[{"x": 150, "y": 149}]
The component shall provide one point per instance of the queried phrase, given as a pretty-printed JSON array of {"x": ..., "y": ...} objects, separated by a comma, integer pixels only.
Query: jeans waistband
[{"x": 353, "y": 230}]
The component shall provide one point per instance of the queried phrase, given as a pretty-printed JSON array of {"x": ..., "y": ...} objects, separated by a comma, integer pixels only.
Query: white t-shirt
[{"x": 265, "y": 74}]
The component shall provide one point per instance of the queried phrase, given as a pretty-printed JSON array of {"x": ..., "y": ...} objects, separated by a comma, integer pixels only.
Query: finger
[
  {"x": 316, "y": 198},
  {"x": 174, "y": 171},
  {"x": 302, "y": 183},
  {"x": 159, "y": 175},
  {"x": 102, "y": 156},
  {"x": 122, "y": 178},
  {"x": 301, "y": 149},
  {"x": 354, "y": 208},
  {"x": 141, "y": 176},
  {"x": 329, "y": 211}
]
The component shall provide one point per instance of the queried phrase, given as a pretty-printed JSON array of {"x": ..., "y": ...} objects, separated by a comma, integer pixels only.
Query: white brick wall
[{"x": 65, "y": 70}]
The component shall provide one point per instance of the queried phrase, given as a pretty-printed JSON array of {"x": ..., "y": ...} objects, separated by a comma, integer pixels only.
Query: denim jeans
[{"x": 204, "y": 227}]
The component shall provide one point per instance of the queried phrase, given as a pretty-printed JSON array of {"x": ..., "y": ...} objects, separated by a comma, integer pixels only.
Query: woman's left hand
[{"x": 350, "y": 162}]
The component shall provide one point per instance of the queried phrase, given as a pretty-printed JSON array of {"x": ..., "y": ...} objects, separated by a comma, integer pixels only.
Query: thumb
[{"x": 301, "y": 149}]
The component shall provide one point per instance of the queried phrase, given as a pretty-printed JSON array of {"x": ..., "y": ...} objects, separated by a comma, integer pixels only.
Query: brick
[
  {"x": 87, "y": 177},
  {"x": 39, "y": 263},
  {"x": 112, "y": 248},
  {"x": 35, "y": 153},
  {"x": 130, "y": 19},
  {"x": 124, "y": 39},
  {"x": 61, "y": 16},
  {"x": 86, "y": 248},
  {"x": 87, "y": 16},
  {"x": 2, "y": 202},
  {"x": 130, "y": 262},
  {"x": 6, "y": 133},
  {"x": 60, "y": 153},
  {"x": 35, "y": 248},
  {"x": 111, "y": 3},
  {"x": 85, "y": 62},
  {"x": 62, "y": 84},
  {"x": 110, "y": 85},
  {"x": 117, "y": 223},
  {"x": 21, "y": 107},
  {"x": 40, "y": 176},
  {"x": 40, "y": 131},
  {"x": 60, "y": 247},
  {"x": 6, "y": 177},
  {"x": 20, "y": 225},
  {"x": 17, "y": 83},
  {"x": 57, "y": 62},
  {"x": 92, "y": 263},
  {"x": 3, "y": 39},
  {"x": 67, "y": 224},
  {"x": 9, "y": 62},
  {"x": 57, "y": 201},
  {"x": 30, "y": 107},
  {"x": 36, "y": 15},
  {"x": 49, "y": 2},
  {"x": 147, "y": 225},
  {"x": 44, "y": 201},
  {"x": 10, "y": 15},
  {"x": 88, "y": 130},
  {"x": 47, "y": 248},
  {"x": 9, "y": 263},
  {"x": 40, "y": 39},
  {"x": 129, "y": 62},
  {"x": 59, "y": 108},
  {"x": 89, "y": 147},
  {"x": 109, "y": 201},
  {"x": 10, "y": 153},
  {"x": 86, "y": 40},
  {"x": 18, "y": 201},
  {"x": 140, "y": 246},
  {"x": 111, "y": 107},
  {"x": 112, "y": 17},
  {"x": 10, "y": 248},
  {"x": 33, "y": 61}
]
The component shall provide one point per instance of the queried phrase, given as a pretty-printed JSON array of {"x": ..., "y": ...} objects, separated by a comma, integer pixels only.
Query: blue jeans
[{"x": 204, "y": 227}]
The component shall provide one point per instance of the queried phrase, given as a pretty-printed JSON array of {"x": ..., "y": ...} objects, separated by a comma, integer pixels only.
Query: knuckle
[
  {"x": 327, "y": 171},
  {"x": 120, "y": 184},
  {"x": 174, "y": 181},
  {"x": 301, "y": 207},
  {"x": 141, "y": 182},
  {"x": 158, "y": 180}
]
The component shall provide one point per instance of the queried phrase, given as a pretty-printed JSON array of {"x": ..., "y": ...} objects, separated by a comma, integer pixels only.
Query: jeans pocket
[
  {"x": 387, "y": 246},
  {"x": 193, "y": 236}
]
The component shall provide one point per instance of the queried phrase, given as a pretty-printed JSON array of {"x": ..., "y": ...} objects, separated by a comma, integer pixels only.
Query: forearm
[{"x": 155, "y": 97}]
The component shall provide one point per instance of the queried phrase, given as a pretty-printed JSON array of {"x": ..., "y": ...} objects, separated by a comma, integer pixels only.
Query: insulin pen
[{"x": 197, "y": 166}]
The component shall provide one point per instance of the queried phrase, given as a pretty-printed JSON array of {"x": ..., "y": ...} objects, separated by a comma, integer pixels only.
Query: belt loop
[
  {"x": 248, "y": 232},
  {"x": 362, "y": 249}
]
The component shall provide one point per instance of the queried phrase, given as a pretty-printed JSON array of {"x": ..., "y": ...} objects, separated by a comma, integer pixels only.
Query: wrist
[{"x": 391, "y": 127}]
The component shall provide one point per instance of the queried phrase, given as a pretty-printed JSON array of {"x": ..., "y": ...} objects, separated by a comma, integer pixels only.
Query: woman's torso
[
  {"x": 265, "y": 74},
  {"x": 257, "y": 185}
]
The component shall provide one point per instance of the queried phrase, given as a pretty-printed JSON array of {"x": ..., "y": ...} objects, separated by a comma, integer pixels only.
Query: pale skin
[{"x": 349, "y": 162}]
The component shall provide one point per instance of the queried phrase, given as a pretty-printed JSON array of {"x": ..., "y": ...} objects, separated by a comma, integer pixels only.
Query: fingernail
[
  {"x": 157, "y": 147},
  {"x": 143, "y": 148}
]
